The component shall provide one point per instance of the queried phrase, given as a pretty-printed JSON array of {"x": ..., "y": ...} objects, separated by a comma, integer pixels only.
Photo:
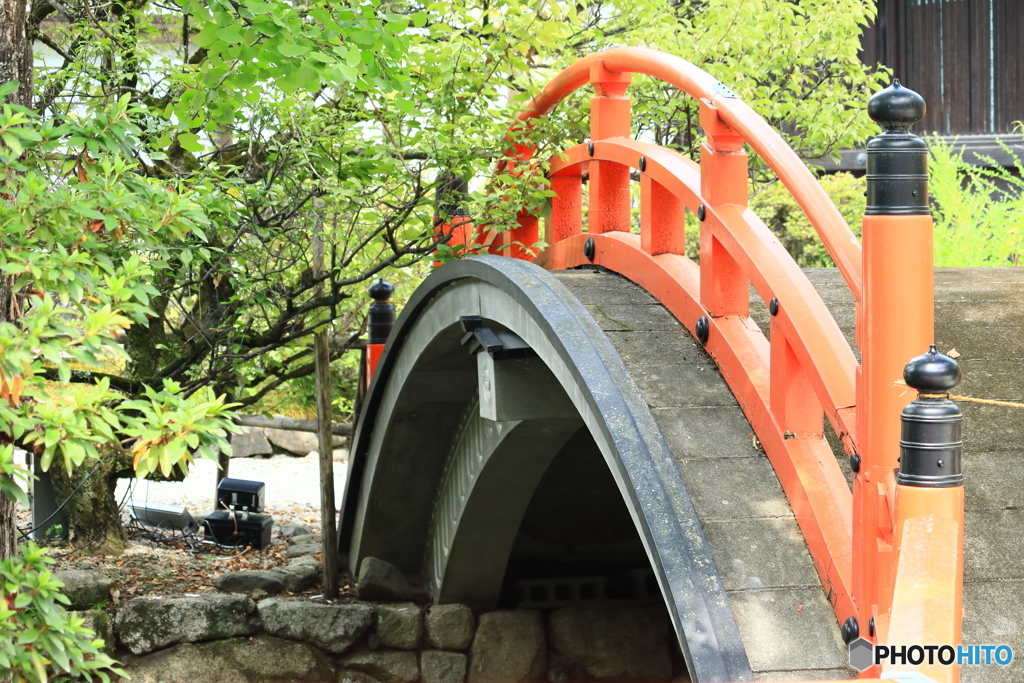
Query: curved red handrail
[{"x": 840, "y": 241}]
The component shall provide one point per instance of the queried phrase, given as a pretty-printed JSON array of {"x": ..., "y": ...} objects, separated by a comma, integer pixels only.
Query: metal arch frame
[
  {"x": 547, "y": 316},
  {"x": 488, "y": 482}
]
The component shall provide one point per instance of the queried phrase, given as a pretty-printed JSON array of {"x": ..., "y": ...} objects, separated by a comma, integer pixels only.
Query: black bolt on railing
[
  {"x": 381, "y": 316},
  {"x": 930, "y": 442},
  {"x": 897, "y": 159}
]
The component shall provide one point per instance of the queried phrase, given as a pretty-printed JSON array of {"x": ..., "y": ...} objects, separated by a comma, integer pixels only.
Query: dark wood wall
[{"x": 965, "y": 57}]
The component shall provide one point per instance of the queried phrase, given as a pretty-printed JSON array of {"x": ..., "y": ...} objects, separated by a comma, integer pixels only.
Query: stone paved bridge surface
[
  {"x": 691, "y": 476},
  {"x": 757, "y": 545}
]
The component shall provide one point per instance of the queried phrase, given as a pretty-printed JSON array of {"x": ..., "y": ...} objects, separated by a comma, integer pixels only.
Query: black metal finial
[
  {"x": 931, "y": 445},
  {"x": 381, "y": 316},
  {"x": 381, "y": 291},
  {"x": 896, "y": 107},
  {"x": 897, "y": 159},
  {"x": 932, "y": 373}
]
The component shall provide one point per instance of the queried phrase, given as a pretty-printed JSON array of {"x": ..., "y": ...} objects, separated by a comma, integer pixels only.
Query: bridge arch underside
[{"x": 570, "y": 493}]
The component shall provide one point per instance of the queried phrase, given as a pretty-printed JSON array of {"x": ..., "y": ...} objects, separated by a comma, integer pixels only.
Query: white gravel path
[{"x": 291, "y": 482}]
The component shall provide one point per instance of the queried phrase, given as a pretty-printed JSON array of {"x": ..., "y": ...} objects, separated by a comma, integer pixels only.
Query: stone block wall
[{"x": 229, "y": 637}]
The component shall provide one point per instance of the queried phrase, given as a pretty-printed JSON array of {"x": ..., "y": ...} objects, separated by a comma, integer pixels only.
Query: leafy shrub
[
  {"x": 780, "y": 212},
  {"x": 979, "y": 211},
  {"x": 38, "y": 637}
]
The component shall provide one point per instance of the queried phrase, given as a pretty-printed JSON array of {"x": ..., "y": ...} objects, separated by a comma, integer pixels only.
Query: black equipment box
[
  {"x": 238, "y": 529},
  {"x": 241, "y": 494}
]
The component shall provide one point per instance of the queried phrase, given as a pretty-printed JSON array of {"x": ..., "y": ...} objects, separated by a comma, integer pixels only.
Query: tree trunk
[
  {"x": 91, "y": 513},
  {"x": 15, "y": 65}
]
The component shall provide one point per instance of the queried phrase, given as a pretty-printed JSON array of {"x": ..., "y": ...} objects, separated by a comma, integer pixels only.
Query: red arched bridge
[{"x": 609, "y": 419}]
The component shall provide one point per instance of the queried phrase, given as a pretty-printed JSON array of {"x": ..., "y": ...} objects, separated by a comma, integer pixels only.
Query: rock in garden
[
  {"x": 304, "y": 549},
  {"x": 263, "y": 658},
  {"x": 508, "y": 648},
  {"x": 380, "y": 580},
  {"x": 399, "y": 625},
  {"x": 85, "y": 589},
  {"x": 295, "y": 529},
  {"x": 297, "y": 443},
  {"x": 437, "y": 666},
  {"x": 450, "y": 627},
  {"x": 333, "y": 628},
  {"x": 248, "y": 442},
  {"x": 299, "y": 574},
  {"x": 303, "y": 539},
  {"x": 625, "y": 643},
  {"x": 98, "y": 621},
  {"x": 243, "y": 582},
  {"x": 146, "y": 624},
  {"x": 387, "y": 666},
  {"x": 561, "y": 669},
  {"x": 353, "y": 676}
]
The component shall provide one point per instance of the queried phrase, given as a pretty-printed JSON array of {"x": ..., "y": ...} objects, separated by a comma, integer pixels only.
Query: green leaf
[
  {"x": 230, "y": 34},
  {"x": 292, "y": 50}
]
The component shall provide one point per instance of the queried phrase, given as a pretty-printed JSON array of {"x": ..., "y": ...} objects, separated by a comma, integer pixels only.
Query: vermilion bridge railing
[{"x": 804, "y": 369}]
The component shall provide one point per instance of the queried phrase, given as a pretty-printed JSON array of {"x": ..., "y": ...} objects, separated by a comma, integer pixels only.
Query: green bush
[
  {"x": 780, "y": 212},
  {"x": 979, "y": 211},
  {"x": 38, "y": 637}
]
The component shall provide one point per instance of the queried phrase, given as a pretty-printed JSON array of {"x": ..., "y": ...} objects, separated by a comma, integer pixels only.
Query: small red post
[
  {"x": 610, "y": 112},
  {"x": 452, "y": 223},
  {"x": 723, "y": 180},
  {"x": 380, "y": 320}
]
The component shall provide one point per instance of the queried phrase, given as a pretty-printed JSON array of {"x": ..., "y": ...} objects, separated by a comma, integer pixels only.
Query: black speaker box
[
  {"x": 241, "y": 494},
  {"x": 238, "y": 529}
]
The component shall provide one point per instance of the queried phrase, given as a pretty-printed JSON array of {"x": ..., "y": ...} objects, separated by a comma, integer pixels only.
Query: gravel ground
[
  {"x": 292, "y": 493},
  {"x": 148, "y": 567},
  {"x": 291, "y": 482}
]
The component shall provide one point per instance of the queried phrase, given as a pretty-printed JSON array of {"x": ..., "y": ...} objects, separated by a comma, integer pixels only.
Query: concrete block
[
  {"x": 707, "y": 432},
  {"x": 788, "y": 629}
]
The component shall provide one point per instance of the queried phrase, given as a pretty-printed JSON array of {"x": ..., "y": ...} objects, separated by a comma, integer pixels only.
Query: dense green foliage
[
  {"x": 293, "y": 118},
  {"x": 978, "y": 210},
  {"x": 776, "y": 207},
  {"x": 71, "y": 225},
  {"x": 38, "y": 638}
]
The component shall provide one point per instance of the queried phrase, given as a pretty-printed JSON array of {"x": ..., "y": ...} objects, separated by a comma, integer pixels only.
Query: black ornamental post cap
[
  {"x": 932, "y": 373},
  {"x": 896, "y": 107},
  {"x": 450, "y": 195},
  {"x": 897, "y": 159},
  {"x": 381, "y": 291}
]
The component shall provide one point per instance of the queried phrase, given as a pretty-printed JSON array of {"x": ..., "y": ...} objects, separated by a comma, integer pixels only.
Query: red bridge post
[
  {"x": 895, "y": 321},
  {"x": 610, "y": 112},
  {"x": 723, "y": 180},
  {"x": 379, "y": 321}
]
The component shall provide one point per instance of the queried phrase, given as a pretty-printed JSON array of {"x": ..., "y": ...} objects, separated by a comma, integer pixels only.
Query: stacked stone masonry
[{"x": 229, "y": 637}]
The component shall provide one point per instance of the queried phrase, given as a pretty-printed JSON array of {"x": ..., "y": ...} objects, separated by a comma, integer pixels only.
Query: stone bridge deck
[
  {"x": 785, "y": 620},
  {"x": 786, "y": 623}
]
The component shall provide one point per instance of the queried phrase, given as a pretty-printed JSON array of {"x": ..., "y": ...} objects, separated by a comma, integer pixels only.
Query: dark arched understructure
[{"x": 494, "y": 371}]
